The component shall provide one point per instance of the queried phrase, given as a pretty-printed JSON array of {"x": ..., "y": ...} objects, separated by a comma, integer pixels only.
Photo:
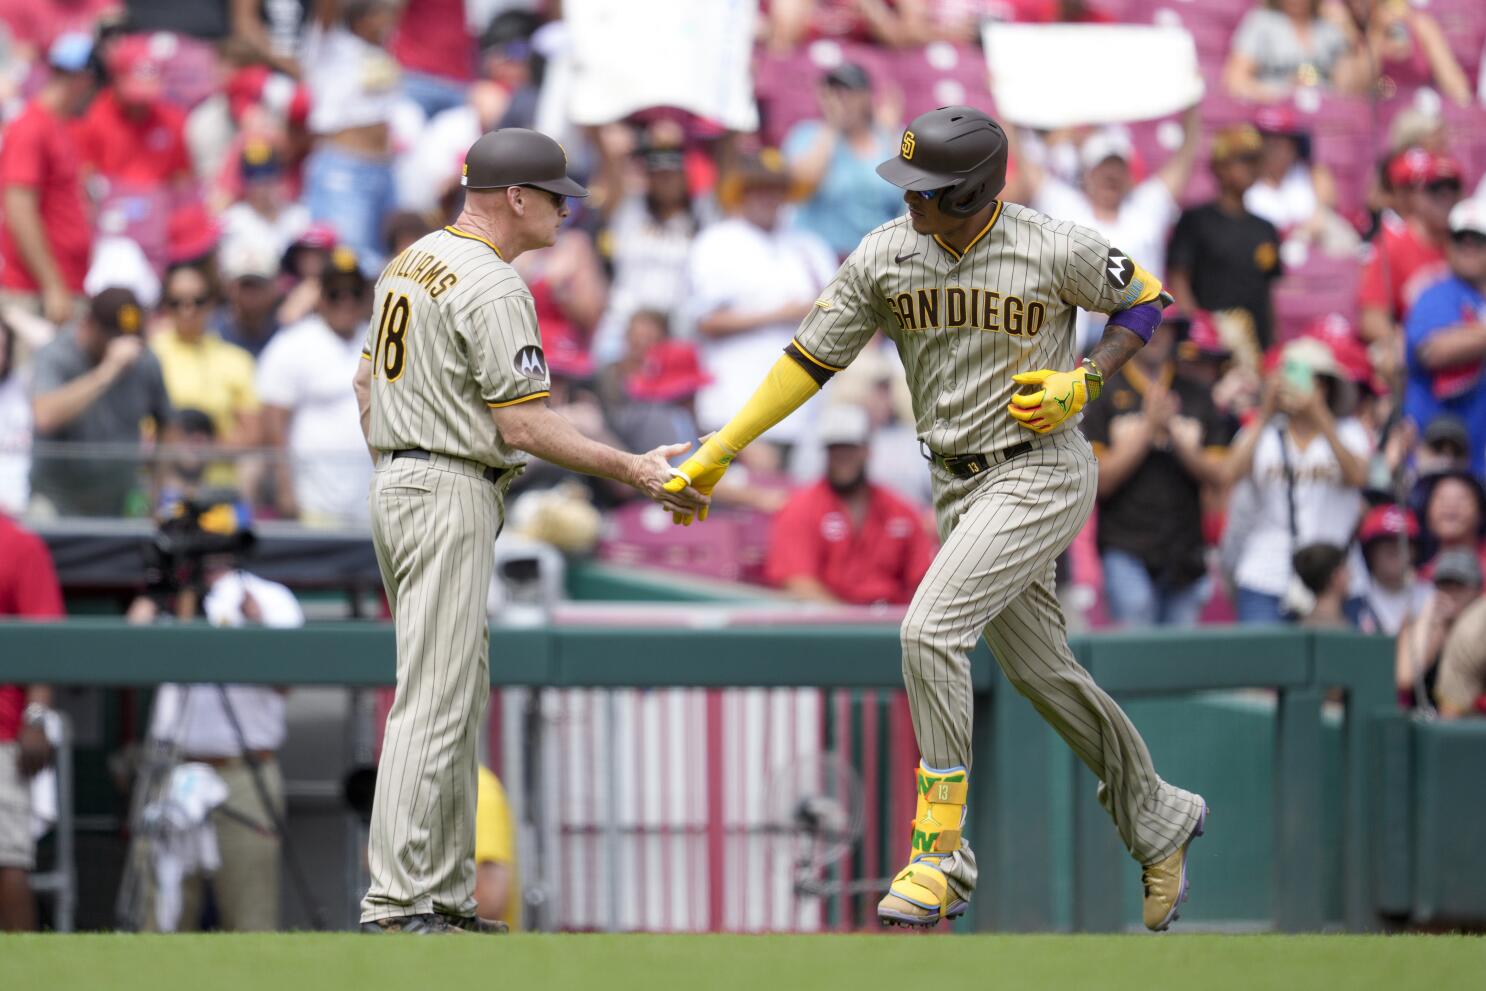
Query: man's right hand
[
  {"x": 655, "y": 477},
  {"x": 702, "y": 471},
  {"x": 121, "y": 352}
]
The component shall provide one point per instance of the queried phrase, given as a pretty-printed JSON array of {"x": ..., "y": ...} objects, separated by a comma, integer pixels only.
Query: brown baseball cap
[
  {"x": 517, "y": 156},
  {"x": 116, "y": 311}
]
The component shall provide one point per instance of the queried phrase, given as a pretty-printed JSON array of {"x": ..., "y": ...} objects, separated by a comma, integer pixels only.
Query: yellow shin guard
[
  {"x": 940, "y": 812},
  {"x": 920, "y": 894}
]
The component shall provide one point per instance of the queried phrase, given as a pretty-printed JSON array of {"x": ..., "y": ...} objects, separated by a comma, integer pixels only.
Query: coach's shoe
[
  {"x": 474, "y": 924},
  {"x": 427, "y": 924},
  {"x": 1165, "y": 882},
  {"x": 920, "y": 896}
]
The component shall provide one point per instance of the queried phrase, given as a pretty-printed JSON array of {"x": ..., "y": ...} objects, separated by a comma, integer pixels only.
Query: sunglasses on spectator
[
  {"x": 183, "y": 302},
  {"x": 1443, "y": 187},
  {"x": 343, "y": 295},
  {"x": 1469, "y": 239}
]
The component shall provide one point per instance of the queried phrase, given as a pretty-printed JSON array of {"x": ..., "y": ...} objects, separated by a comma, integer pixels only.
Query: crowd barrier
[{"x": 1358, "y": 804}]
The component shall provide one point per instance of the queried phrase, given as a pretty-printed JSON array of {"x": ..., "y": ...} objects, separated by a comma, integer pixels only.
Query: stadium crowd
[{"x": 197, "y": 195}]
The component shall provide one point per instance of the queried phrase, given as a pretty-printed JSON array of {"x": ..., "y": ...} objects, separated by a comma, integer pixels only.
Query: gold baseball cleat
[
  {"x": 920, "y": 897},
  {"x": 1165, "y": 882}
]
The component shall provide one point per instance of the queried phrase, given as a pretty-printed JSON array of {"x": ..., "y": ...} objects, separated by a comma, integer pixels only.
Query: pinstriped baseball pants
[
  {"x": 1001, "y": 533},
  {"x": 434, "y": 525}
]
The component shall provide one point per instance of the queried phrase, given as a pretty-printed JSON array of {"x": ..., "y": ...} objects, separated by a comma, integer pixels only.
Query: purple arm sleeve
[{"x": 1142, "y": 320}]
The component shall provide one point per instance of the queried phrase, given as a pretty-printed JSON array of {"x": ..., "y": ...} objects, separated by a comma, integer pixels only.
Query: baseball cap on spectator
[
  {"x": 260, "y": 161},
  {"x": 1235, "y": 141},
  {"x": 1199, "y": 337},
  {"x": 246, "y": 258},
  {"x": 343, "y": 272},
  {"x": 844, "y": 424},
  {"x": 670, "y": 372},
  {"x": 318, "y": 235},
  {"x": 1447, "y": 429},
  {"x": 1387, "y": 521},
  {"x": 258, "y": 85},
  {"x": 848, "y": 75},
  {"x": 71, "y": 52},
  {"x": 1415, "y": 167},
  {"x": 1314, "y": 354},
  {"x": 1279, "y": 120},
  {"x": 1104, "y": 144},
  {"x": 1336, "y": 332},
  {"x": 138, "y": 75},
  {"x": 1458, "y": 565},
  {"x": 191, "y": 233},
  {"x": 116, "y": 311},
  {"x": 1276, "y": 118},
  {"x": 753, "y": 170},
  {"x": 1469, "y": 216}
]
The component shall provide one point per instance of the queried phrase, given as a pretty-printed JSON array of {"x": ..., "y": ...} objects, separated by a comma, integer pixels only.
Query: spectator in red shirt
[
  {"x": 1409, "y": 251},
  {"x": 130, "y": 137},
  {"x": 845, "y": 539},
  {"x": 47, "y": 236},
  {"x": 432, "y": 43},
  {"x": 28, "y": 588}
]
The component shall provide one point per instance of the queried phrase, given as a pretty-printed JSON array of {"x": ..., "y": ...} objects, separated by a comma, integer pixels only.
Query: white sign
[
  {"x": 692, "y": 54},
  {"x": 1061, "y": 75}
]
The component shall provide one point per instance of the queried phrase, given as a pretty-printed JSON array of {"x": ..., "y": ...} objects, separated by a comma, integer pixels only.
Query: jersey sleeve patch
[
  {"x": 1119, "y": 269},
  {"x": 530, "y": 362}
]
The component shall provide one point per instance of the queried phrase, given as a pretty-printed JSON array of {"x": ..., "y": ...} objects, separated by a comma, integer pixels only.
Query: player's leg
[
  {"x": 997, "y": 531},
  {"x": 437, "y": 531},
  {"x": 464, "y": 613},
  {"x": 1155, "y": 819}
]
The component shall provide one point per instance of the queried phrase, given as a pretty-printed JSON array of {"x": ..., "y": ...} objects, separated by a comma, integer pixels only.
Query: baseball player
[
  {"x": 452, "y": 393},
  {"x": 980, "y": 296}
]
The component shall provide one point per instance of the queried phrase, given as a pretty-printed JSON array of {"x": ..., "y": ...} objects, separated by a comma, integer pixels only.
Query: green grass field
[{"x": 662, "y": 963}]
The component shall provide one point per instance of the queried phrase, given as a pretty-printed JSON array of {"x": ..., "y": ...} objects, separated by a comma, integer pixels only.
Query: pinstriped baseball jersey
[
  {"x": 453, "y": 334},
  {"x": 966, "y": 323}
]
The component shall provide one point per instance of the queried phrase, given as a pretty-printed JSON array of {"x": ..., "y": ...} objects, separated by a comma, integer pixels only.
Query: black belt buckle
[{"x": 964, "y": 465}]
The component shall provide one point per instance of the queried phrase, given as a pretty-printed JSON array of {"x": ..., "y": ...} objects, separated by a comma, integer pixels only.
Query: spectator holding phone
[
  {"x": 1442, "y": 654},
  {"x": 1300, "y": 465}
]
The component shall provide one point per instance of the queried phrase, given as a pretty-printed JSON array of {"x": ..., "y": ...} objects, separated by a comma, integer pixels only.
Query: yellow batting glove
[
  {"x": 702, "y": 471},
  {"x": 1047, "y": 398}
]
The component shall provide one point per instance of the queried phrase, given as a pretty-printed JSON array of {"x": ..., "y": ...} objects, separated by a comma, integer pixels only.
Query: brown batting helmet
[{"x": 516, "y": 156}]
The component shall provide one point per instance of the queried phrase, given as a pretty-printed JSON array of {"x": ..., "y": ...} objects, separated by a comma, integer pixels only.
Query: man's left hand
[
  {"x": 35, "y": 749},
  {"x": 1047, "y": 398}
]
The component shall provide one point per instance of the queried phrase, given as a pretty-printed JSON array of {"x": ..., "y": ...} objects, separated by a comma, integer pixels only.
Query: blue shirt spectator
[
  {"x": 1446, "y": 335},
  {"x": 835, "y": 158}
]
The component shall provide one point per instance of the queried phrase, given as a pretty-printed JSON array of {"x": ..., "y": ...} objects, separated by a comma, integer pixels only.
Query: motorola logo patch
[
  {"x": 530, "y": 363},
  {"x": 1119, "y": 268}
]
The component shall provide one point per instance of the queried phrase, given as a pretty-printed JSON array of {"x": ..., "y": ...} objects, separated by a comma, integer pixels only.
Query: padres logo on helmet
[{"x": 957, "y": 149}]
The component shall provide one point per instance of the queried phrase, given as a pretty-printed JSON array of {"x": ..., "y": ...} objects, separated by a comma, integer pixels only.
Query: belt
[
  {"x": 970, "y": 465},
  {"x": 492, "y": 475},
  {"x": 258, "y": 756}
]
